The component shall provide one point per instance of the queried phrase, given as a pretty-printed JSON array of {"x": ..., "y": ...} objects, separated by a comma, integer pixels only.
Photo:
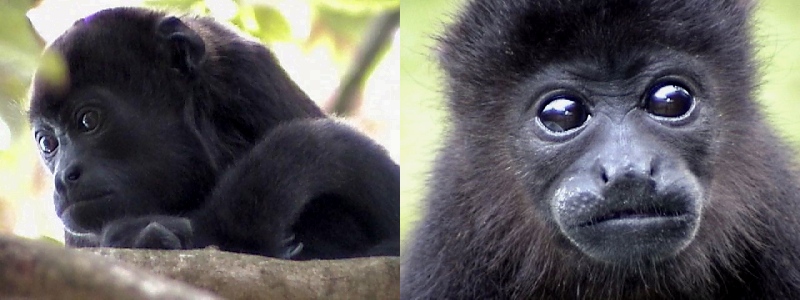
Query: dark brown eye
[
  {"x": 563, "y": 113},
  {"x": 669, "y": 101},
  {"x": 89, "y": 120},
  {"x": 47, "y": 144}
]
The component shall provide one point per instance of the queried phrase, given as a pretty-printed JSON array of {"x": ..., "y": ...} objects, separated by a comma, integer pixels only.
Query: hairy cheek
[{"x": 628, "y": 220}]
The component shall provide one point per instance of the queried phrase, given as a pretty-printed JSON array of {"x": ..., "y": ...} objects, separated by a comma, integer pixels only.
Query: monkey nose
[{"x": 67, "y": 178}]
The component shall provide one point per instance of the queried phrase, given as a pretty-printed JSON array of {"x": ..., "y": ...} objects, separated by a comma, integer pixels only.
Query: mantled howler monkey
[
  {"x": 606, "y": 149},
  {"x": 176, "y": 132}
]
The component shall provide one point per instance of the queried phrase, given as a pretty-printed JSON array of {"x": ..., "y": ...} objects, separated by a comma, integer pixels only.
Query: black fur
[
  {"x": 176, "y": 132},
  {"x": 494, "y": 227}
]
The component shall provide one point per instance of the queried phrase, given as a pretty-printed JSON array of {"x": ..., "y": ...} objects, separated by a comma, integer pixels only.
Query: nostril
[
  {"x": 604, "y": 175},
  {"x": 631, "y": 171},
  {"x": 654, "y": 164},
  {"x": 72, "y": 174}
]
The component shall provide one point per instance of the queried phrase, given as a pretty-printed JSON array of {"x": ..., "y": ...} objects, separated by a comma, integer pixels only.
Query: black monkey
[
  {"x": 606, "y": 149},
  {"x": 176, "y": 132}
]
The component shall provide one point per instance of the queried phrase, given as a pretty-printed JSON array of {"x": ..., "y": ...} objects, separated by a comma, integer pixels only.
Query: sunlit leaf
[
  {"x": 180, "y": 5},
  {"x": 20, "y": 5},
  {"x": 342, "y": 30},
  {"x": 358, "y": 5},
  {"x": 53, "y": 69},
  {"x": 19, "y": 55},
  {"x": 273, "y": 26}
]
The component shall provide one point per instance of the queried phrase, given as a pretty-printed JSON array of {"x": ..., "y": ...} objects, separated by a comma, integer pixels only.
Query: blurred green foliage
[
  {"x": 422, "y": 111},
  {"x": 20, "y": 49},
  {"x": 359, "y": 5}
]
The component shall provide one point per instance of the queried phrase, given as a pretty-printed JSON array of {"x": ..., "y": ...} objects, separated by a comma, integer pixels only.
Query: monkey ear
[{"x": 186, "y": 47}]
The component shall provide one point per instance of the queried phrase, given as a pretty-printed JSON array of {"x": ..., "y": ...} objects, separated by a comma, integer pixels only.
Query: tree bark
[
  {"x": 241, "y": 276},
  {"x": 41, "y": 270}
]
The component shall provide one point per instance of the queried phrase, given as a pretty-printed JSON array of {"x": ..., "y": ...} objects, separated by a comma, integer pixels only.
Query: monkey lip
[
  {"x": 626, "y": 236},
  {"x": 633, "y": 216},
  {"x": 86, "y": 215},
  {"x": 62, "y": 207}
]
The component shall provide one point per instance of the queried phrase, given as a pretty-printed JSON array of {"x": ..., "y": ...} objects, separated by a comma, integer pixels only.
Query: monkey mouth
[
  {"x": 77, "y": 202},
  {"x": 626, "y": 227},
  {"x": 628, "y": 216},
  {"x": 86, "y": 215}
]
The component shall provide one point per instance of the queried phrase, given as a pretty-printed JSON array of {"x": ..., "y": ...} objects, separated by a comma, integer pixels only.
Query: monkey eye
[
  {"x": 47, "y": 143},
  {"x": 669, "y": 100},
  {"x": 89, "y": 120},
  {"x": 563, "y": 113}
]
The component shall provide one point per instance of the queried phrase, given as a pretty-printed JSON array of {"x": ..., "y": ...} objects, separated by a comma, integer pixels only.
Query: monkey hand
[
  {"x": 150, "y": 232},
  {"x": 291, "y": 248}
]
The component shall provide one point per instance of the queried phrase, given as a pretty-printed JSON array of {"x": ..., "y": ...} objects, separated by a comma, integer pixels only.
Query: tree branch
[
  {"x": 240, "y": 276},
  {"x": 42, "y": 270},
  {"x": 344, "y": 104}
]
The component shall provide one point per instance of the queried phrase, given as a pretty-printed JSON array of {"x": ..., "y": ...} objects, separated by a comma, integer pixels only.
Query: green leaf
[
  {"x": 19, "y": 53},
  {"x": 272, "y": 25},
  {"x": 358, "y": 5},
  {"x": 20, "y": 5},
  {"x": 342, "y": 30},
  {"x": 179, "y": 5}
]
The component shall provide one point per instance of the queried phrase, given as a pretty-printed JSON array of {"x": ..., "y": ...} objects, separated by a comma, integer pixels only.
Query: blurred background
[
  {"x": 422, "y": 115},
  {"x": 344, "y": 53}
]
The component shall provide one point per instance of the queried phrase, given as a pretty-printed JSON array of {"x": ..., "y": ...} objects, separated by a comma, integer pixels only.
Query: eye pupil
[
  {"x": 562, "y": 114},
  {"x": 47, "y": 144},
  {"x": 669, "y": 101},
  {"x": 89, "y": 120}
]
